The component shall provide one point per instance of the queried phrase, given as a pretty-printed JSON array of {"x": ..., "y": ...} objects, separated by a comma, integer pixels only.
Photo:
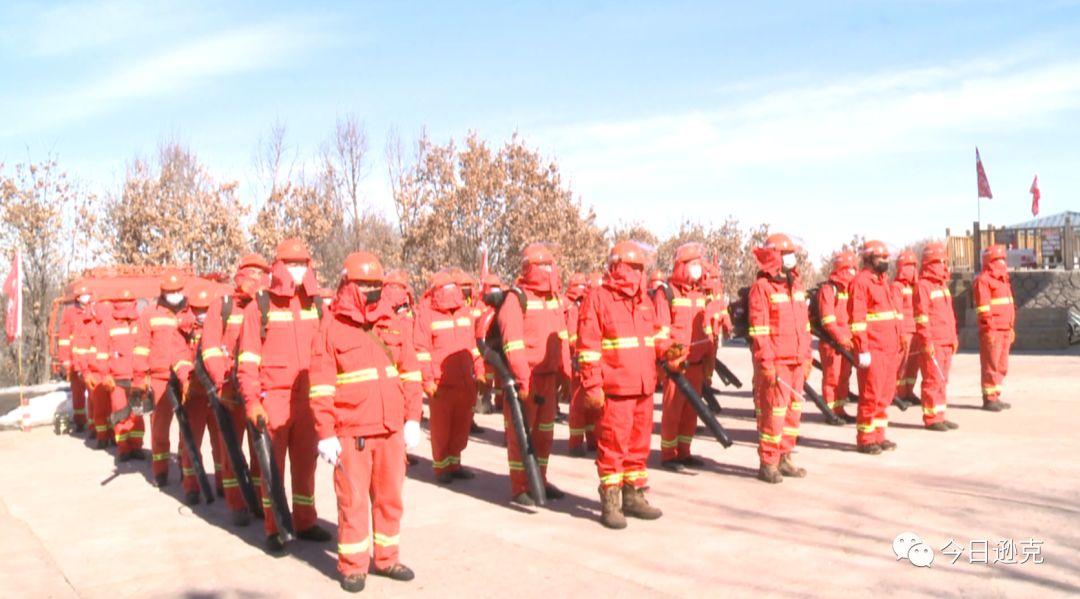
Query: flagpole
[{"x": 22, "y": 394}]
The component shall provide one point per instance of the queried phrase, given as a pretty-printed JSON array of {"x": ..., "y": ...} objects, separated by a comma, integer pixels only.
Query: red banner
[
  {"x": 1036, "y": 195},
  {"x": 13, "y": 291},
  {"x": 980, "y": 172}
]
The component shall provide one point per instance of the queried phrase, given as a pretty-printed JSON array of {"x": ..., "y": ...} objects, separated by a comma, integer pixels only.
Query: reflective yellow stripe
[
  {"x": 858, "y": 327},
  {"x": 391, "y": 372},
  {"x": 516, "y": 466},
  {"x": 766, "y": 438},
  {"x": 163, "y": 321},
  {"x": 180, "y": 363},
  {"x": 615, "y": 478},
  {"x": 311, "y": 313},
  {"x": 235, "y": 319},
  {"x": 212, "y": 352},
  {"x": 303, "y": 499},
  {"x": 564, "y": 335},
  {"x": 1001, "y": 301},
  {"x": 252, "y": 357},
  {"x": 635, "y": 475},
  {"x": 463, "y": 322},
  {"x": 799, "y": 296},
  {"x": 880, "y": 316},
  {"x": 781, "y": 411},
  {"x": 513, "y": 346},
  {"x": 534, "y": 305},
  {"x": 685, "y": 438},
  {"x": 905, "y": 291},
  {"x": 413, "y": 376},
  {"x": 321, "y": 391},
  {"x": 423, "y": 356},
  {"x": 791, "y": 431},
  {"x": 992, "y": 389},
  {"x": 141, "y": 351},
  {"x": 922, "y": 319},
  {"x": 102, "y": 355},
  {"x": 475, "y": 352},
  {"x": 440, "y": 325},
  {"x": 546, "y": 426},
  {"x": 386, "y": 540},
  {"x": 157, "y": 457},
  {"x": 981, "y": 309},
  {"x": 933, "y": 410},
  {"x": 64, "y": 342},
  {"x": 796, "y": 406},
  {"x": 865, "y": 428},
  {"x": 620, "y": 343},
  {"x": 759, "y": 331},
  {"x": 777, "y": 298},
  {"x": 682, "y": 302},
  {"x": 279, "y": 316},
  {"x": 358, "y": 376},
  {"x": 828, "y": 319},
  {"x": 881, "y": 422},
  {"x": 351, "y": 548},
  {"x": 937, "y": 294},
  {"x": 665, "y": 443},
  {"x": 586, "y": 356},
  {"x": 842, "y": 295},
  {"x": 119, "y": 331}
]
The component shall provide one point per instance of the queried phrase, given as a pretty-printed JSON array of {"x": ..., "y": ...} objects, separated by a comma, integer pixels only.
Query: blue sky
[{"x": 823, "y": 119}]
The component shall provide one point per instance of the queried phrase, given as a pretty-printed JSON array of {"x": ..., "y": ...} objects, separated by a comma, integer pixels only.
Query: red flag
[
  {"x": 1036, "y": 195},
  {"x": 13, "y": 291},
  {"x": 484, "y": 271},
  {"x": 984, "y": 183}
]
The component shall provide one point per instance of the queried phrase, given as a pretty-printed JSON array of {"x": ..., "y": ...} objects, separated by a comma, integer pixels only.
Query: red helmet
[
  {"x": 125, "y": 295},
  {"x": 934, "y": 252},
  {"x": 200, "y": 300},
  {"x": 363, "y": 266},
  {"x": 82, "y": 290},
  {"x": 577, "y": 280},
  {"x": 781, "y": 242},
  {"x": 536, "y": 253},
  {"x": 441, "y": 279},
  {"x": 994, "y": 252},
  {"x": 875, "y": 248},
  {"x": 172, "y": 283},
  {"x": 492, "y": 280},
  {"x": 462, "y": 278},
  {"x": 844, "y": 259},
  {"x": 689, "y": 251},
  {"x": 253, "y": 261},
  {"x": 630, "y": 252},
  {"x": 396, "y": 277},
  {"x": 292, "y": 250},
  {"x": 907, "y": 257},
  {"x": 657, "y": 277}
]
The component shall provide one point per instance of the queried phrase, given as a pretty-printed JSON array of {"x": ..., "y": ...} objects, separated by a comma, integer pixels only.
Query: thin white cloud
[{"x": 72, "y": 27}]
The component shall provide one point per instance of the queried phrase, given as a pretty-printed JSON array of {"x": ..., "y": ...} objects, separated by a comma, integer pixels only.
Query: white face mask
[
  {"x": 174, "y": 299},
  {"x": 297, "y": 273},
  {"x": 84, "y": 299},
  {"x": 789, "y": 261},
  {"x": 694, "y": 270}
]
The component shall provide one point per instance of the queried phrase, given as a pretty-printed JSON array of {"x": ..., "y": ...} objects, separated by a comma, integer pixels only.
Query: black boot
[
  {"x": 315, "y": 534},
  {"x": 354, "y": 583},
  {"x": 191, "y": 498},
  {"x": 398, "y": 571},
  {"x": 991, "y": 406},
  {"x": 275, "y": 546},
  {"x": 161, "y": 480}
]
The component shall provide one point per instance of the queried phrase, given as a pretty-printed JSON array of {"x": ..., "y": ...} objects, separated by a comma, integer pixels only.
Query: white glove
[
  {"x": 411, "y": 433},
  {"x": 864, "y": 360},
  {"x": 329, "y": 450}
]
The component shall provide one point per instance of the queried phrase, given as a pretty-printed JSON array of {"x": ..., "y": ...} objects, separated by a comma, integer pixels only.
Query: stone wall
[{"x": 1043, "y": 299}]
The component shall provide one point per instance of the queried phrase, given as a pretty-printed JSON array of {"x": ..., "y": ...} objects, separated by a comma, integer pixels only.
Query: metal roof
[{"x": 1054, "y": 220}]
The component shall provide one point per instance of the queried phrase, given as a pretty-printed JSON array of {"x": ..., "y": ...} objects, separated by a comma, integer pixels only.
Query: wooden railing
[{"x": 1054, "y": 247}]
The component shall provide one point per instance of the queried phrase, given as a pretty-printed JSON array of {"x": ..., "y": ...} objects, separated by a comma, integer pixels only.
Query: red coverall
[
  {"x": 997, "y": 317},
  {"x": 779, "y": 342},
  {"x": 581, "y": 420},
  {"x": 220, "y": 337},
  {"x": 537, "y": 350},
  {"x": 197, "y": 408},
  {"x": 121, "y": 327},
  {"x": 875, "y": 327},
  {"x": 97, "y": 369},
  {"x": 835, "y": 370},
  {"x": 74, "y": 344},
  {"x": 273, "y": 373},
  {"x": 361, "y": 394},
  {"x": 683, "y": 321},
  {"x": 482, "y": 326},
  {"x": 446, "y": 337},
  {"x": 935, "y": 332},
  {"x": 908, "y": 357},
  {"x": 617, "y": 353},
  {"x": 160, "y": 348}
]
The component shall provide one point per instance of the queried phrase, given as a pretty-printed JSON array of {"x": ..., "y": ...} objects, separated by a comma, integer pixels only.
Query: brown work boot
[
  {"x": 991, "y": 405},
  {"x": 937, "y": 426},
  {"x": 770, "y": 473},
  {"x": 888, "y": 445},
  {"x": 611, "y": 514},
  {"x": 788, "y": 468},
  {"x": 871, "y": 449},
  {"x": 635, "y": 505},
  {"x": 952, "y": 425},
  {"x": 353, "y": 583}
]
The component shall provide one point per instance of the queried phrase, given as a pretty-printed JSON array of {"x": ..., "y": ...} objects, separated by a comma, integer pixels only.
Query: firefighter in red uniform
[
  {"x": 875, "y": 327},
  {"x": 997, "y": 320},
  {"x": 445, "y": 331},
  {"x": 682, "y": 319},
  {"x": 716, "y": 307},
  {"x": 535, "y": 341},
  {"x": 909, "y": 360},
  {"x": 161, "y": 349},
  {"x": 832, "y": 301},
  {"x": 97, "y": 371},
  {"x": 273, "y": 372},
  {"x": 780, "y": 346},
  {"x": 492, "y": 293},
  {"x": 121, "y": 326},
  {"x": 365, "y": 394},
  {"x": 74, "y": 343},
  {"x": 220, "y": 343},
  {"x": 197, "y": 404},
  {"x": 617, "y": 353},
  {"x": 935, "y": 335},
  {"x": 582, "y": 421}
]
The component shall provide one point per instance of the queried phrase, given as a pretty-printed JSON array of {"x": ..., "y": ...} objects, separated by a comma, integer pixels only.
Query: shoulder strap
[
  {"x": 669, "y": 293},
  {"x": 380, "y": 343},
  {"x": 262, "y": 298},
  {"x": 226, "y": 309},
  {"x": 318, "y": 301},
  {"x": 522, "y": 298}
]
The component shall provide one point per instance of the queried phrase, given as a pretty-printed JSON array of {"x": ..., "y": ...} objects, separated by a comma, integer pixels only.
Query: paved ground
[{"x": 72, "y": 528}]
